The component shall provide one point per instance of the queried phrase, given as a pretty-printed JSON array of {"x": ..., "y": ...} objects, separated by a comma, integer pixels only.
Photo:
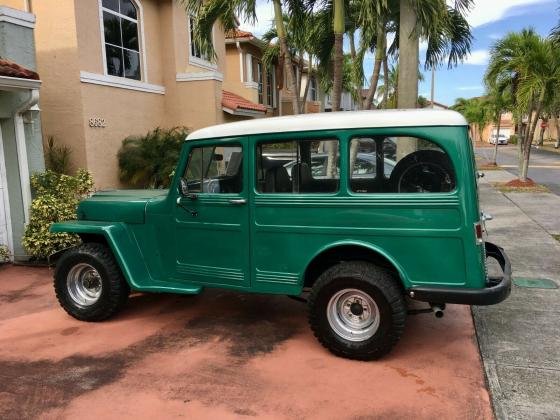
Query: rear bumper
[{"x": 496, "y": 290}]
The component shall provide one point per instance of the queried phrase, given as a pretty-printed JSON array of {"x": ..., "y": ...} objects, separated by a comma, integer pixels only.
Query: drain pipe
[{"x": 21, "y": 146}]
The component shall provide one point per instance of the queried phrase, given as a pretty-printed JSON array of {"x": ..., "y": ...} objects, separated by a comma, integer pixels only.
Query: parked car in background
[{"x": 501, "y": 139}]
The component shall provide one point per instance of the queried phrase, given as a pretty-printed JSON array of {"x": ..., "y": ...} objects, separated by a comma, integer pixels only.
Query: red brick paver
[{"x": 221, "y": 355}]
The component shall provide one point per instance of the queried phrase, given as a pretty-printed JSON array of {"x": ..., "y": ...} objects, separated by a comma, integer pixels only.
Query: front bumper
[{"x": 497, "y": 288}]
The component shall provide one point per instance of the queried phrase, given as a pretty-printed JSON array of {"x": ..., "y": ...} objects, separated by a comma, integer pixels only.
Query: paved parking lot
[{"x": 221, "y": 355}]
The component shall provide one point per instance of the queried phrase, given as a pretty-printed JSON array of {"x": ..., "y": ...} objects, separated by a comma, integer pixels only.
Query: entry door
[{"x": 212, "y": 233}]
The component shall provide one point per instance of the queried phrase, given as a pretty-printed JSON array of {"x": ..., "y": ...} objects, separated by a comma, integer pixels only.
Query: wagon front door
[{"x": 212, "y": 233}]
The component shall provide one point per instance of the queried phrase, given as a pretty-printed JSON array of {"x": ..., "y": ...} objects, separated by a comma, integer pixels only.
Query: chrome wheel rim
[
  {"x": 84, "y": 285},
  {"x": 353, "y": 315}
]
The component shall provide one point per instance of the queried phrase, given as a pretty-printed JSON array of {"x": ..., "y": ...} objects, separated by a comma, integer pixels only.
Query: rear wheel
[
  {"x": 357, "y": 310},
  {"x": 89, "y": 284}
]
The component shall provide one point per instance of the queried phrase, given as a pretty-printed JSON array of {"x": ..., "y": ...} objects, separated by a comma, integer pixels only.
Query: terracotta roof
[
  {"x": 10, "y": 69},
  {"x": 234, "y": 102},
  {"x": 238, "y": 33}
]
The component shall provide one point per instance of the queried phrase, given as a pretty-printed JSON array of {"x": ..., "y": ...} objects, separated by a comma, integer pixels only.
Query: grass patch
[
  {"x": 502, "y": 187},
  {"x": 557, "y": 237},
  {"x": 488, "y": 167}
]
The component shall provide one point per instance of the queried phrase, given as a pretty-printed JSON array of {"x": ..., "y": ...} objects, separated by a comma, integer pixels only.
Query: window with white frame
[
  {"x": 121, "y": 38},
  {"x": 313, "y": 89},
  {"x": 195, "y": 53},
  {"x": 260, "y": 81}
]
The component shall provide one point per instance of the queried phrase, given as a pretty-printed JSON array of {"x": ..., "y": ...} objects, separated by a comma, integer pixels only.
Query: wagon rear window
[
  {"x": 298, "y": 166},
  {"x": 399, "y": 165}
]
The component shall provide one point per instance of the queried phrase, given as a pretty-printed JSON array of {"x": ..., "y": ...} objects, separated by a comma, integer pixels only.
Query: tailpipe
[{"x": 438, "y": 310}]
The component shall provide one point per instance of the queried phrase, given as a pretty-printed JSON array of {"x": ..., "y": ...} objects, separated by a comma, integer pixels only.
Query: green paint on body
[{"x": 168, "y": 242}]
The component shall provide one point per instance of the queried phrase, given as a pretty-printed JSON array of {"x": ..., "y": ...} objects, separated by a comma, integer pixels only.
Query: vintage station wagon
[{"x": 355, "y": 212}]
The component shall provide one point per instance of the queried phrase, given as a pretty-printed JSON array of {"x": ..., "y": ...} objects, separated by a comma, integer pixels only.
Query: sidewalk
[{"x": 519, "y": 339}]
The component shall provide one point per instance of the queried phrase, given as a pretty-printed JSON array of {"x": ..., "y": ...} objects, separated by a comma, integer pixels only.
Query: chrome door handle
[{"x": 238, "y": 201}]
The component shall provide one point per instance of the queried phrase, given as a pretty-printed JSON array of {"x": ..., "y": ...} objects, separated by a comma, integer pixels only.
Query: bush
[
  {"x": 56, "y": 199},
  {"x": 149, "y": 161},
  {"x": 513, "y": 139},
  {"x": 57, "y": 158},
  {"x": 4, "y": 254}
]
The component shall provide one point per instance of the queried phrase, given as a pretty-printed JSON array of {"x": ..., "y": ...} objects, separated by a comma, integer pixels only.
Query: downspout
[
  {"x": 238, "y": 45},
  {"x": 25, "y": 106}
]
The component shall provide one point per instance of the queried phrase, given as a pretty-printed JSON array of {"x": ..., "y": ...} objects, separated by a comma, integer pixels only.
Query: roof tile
[
  {"x": 232, "y": 101},
  {"x": 238, "y": 33},
  {"x": 10, "y": 69}
]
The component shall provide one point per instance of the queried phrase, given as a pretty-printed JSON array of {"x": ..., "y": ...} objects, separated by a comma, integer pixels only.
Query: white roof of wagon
[{"x": 334, "y": 121}]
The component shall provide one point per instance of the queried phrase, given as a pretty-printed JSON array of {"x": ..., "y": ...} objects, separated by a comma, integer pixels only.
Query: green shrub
[
  {"x": 4, "y": 254},
  {"x": 513, "y": 139},
  {"x": 57, "y": 158},
  {"x": 56, "y": 199},
  {"x": 149, "y": 161}
]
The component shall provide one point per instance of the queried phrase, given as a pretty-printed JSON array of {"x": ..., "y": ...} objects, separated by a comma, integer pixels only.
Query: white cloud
[
  {"x": 478, "y": 58},
  {"x": 265, "y": 16},
  {"x": 495, "y": 36},
  {"x": 485, "y": 11}
]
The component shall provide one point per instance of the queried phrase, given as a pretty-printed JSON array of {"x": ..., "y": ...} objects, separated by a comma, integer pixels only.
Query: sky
[{"x": 490, "y": 20}]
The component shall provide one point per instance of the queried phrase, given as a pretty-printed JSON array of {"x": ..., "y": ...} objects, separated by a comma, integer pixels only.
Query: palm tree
[
  {"x": 446, "y": 31},
  {"x": 531, "y": 66},
  {"x": 477, "y": 113},
  {"x": 227, "y": 12}
]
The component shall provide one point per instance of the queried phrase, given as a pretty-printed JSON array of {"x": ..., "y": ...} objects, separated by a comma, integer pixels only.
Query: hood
[{"x": 127, "y": 206}]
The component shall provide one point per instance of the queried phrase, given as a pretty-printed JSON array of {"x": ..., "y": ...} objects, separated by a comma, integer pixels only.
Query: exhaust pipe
[{"x": 438, "y": 310}]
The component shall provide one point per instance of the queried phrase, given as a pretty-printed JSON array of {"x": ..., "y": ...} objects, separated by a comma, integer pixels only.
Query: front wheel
[
  {"x": 89, "y": 284},
  {"x": 357, "y": 310}
]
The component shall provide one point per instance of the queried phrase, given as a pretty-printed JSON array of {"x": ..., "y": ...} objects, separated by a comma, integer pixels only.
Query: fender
[
  {"x": 402, "y": 274},
  {"x": 126, "y": 252}
]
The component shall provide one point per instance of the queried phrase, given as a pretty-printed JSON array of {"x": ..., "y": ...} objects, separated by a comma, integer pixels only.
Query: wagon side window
[
  {"x": 215, "y": 169},
  {"x": 298, "y": 166},
  {"x": 399, "y": 165}
]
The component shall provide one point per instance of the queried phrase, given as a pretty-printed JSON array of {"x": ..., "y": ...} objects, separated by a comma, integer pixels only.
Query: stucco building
[
  {"x": 21, "y": 151},
  {"x": 113, "y": 68}
]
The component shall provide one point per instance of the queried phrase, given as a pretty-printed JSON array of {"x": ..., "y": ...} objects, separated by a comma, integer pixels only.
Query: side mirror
[{"x": 183, "y": 187}]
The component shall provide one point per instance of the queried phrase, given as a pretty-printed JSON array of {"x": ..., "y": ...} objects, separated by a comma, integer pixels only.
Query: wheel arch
[
  {"x": 339, "y": 251},
  {"x": 118, "y": 239}
]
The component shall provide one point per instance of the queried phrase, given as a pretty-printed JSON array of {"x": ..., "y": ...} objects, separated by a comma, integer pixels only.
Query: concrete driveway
[{"x": 221, "y": 355}]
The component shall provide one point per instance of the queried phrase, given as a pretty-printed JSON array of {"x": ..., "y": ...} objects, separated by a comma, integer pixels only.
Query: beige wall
[
  {"x": 16, "y": 4},
  {"x": 126, "y": 113},
  {"x": 59, "y": 68},
  {"x": 69, "y": 40}
]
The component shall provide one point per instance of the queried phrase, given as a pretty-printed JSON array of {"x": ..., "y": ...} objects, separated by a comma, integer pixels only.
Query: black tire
[
  {"x": 114, "y": 288},
  {"x": 384, "y": 290},
  {"x": 424, "y": 170}
]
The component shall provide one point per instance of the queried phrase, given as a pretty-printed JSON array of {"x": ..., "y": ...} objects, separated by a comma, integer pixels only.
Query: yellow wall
[
  {"x": 16, "y": 4},
  {"x": 69, "y": 40},
  {"x": 59, "y": 68}
]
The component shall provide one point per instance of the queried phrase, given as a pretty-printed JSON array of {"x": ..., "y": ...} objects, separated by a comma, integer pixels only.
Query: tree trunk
[
  {"x": 529, "y": 138},
  {"x": 380, "y": 42},
  {"x": 285, "y": 51},
  {"x": 407, "y": 93},
  {"x": 541, "y": 134},
  {"x": 497, "y": 137},
  {"x": 358, "y": 86},
  {"x": 306, "y": 90},
  {"x": 387, "y": 81},
  {"x": 557, "y": 119},
  {"x": 408, "y": 57},
  {"x": 338, "y": 26}
]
